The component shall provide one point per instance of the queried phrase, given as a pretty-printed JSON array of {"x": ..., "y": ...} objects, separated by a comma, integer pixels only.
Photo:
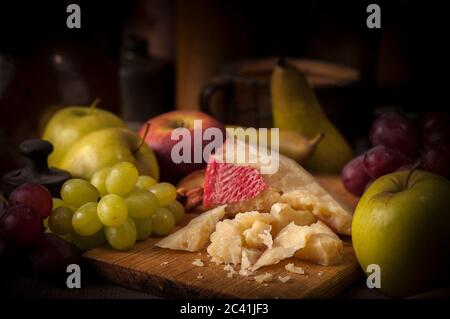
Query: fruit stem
[
  {"x": 415, "y": 166},
  {"x": 316, "y": 139},
  {"x": 94, "y": 104},
  {"x": 147, "y": 127},
  {"x": 281, "y": 62}
]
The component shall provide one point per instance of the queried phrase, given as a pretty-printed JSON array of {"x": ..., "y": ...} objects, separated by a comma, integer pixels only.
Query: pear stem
[
  {"x": 415, "y": 166},
  {"x": 147, "y": 127},
  {"x": 94, "y": 104}
]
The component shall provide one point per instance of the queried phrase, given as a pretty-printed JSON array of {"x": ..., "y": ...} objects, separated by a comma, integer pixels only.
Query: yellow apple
[{"x": 71, "y": 123}]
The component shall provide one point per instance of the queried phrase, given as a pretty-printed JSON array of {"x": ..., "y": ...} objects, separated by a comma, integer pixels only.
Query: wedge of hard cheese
[{"x": 290, "y": 183}]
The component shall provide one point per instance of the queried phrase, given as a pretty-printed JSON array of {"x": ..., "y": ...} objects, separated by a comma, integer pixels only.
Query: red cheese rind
[{"x": 227, "y": 183}]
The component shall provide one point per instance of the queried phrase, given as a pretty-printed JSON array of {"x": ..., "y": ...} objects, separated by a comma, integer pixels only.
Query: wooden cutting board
[{"x": 171, "y": 274}]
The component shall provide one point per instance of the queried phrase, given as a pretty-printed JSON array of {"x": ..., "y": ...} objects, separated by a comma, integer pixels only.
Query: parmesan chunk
[
  {"x": 195, "y": 235},
  {"x": 294, "y": 269},
  {"x": 249, "y": 257},
  {"x": 284, "y": 279},
  {"x": 226, "y": 242},
  {"x": 283, "y": 214},
  {"x": 263, "y": 278},
  {"x": 258, "y": 235},
  {"x": 197, "y": 262}
]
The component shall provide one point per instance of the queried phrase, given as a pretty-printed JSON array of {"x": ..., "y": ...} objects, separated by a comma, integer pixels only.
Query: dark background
[{"x": 402, "y": 65}]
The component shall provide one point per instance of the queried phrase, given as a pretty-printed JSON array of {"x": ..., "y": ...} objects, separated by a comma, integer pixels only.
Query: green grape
[
  {"x": 85, "y": 221},
  {"x": 77, "y": 192},
  {"x": 163, "y": 221},
  {"x": 99, "y": 178},
  {"x": 165, "y": 192},
  {"x": 60, "y": 220},
  {"x": 122, "y": 178},
  {"x": 57, "y": 202},
  {"x": 112, "y": 210},
  {"x": 144, "y": 227},
  {"x": 145, "y": 182},
  {"x": 85, "y": 243},
  {"x": 177, "y": 210},
  {"x": 122, "y": 237},
  {"x": 141, "y": 203}
]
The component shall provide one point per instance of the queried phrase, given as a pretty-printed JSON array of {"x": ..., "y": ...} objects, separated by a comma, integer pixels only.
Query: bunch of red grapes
[
  {"x": 398, "y": 144},
  {"x": 22, "y": 232}
]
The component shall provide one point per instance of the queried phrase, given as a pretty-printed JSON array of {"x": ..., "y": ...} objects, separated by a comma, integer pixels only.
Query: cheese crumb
[
  {"x": 263, "y": 278},
  {"x": 320, "y": 273},
  {"x": 284, "y": 279},
  {"x": 197, "y": 262},
  {"x": 266, "y": 284},
  {"x": 245, "y": 272},
  {"x": 164, "y": 263},
  {"x": 293, "y": 269},
  {"x": 230, "y": 270},
  {"x": 199, "y": 276}
]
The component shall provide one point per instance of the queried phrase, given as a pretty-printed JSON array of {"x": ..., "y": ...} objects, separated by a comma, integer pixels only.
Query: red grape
[
  {"x": 438, "y": 133},
  {"x": 21, "y": 226},
  {"x": 382, "y": 160},
  {"x": 52, "y": 255},
  {"x": 395, "y": 131},
  {"x": 436, "y": 159},
  {"x": 433, "y": 118},
  {"x": 354, "y": 176},
  {"x": 34, "y": 196}
]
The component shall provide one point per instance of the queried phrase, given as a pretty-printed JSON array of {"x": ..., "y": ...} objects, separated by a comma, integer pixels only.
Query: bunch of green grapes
[{"x": 116, "y": 206}]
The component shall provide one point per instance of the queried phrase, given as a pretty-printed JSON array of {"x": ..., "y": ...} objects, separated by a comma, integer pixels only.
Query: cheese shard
[
  {"x": 323, "y": 206},
  {"x": 283, "y": 214},
  {"x": 294, "y": 269},
  {"x": 323, "y": 247},
  {"x": 195, "y": 235},
  {"x": 290, "y": 239},
  {"x": 249, "y": 257},
  {"x": 316, "y": 243}
]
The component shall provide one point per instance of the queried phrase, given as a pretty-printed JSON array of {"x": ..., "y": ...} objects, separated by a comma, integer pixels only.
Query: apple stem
[
  {"x": 94, "y": 104},
  {"x": 147, "y": 127},
  {"x": 415, "y": 166}
]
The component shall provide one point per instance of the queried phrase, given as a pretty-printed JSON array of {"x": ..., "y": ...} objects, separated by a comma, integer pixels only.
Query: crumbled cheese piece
[
  {"x": 198, "y": 262},
  {"x": 294, "y": 269},
  {"x": 320, "y": 273},
  {"x": 164, "y": 263},
  {"x": 266, "y": 284},
  {"x": 199, "y": 276},
  {"x": 263, "y": 278},
  {"x": 283, "y": 214},
  {"x": 230, "y": 270},
  {"x": 284, "y": 279},
  {"x": 245, "y": 272},
  {"x": 258, "y": 235}
]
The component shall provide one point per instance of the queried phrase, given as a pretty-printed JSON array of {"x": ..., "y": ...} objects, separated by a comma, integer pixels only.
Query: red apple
[{"x": 190, "y": 136}]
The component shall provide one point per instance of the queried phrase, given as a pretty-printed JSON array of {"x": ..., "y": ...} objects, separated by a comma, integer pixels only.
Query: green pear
[
  {"x": 296, "y": 107},
  {"x": 71, "y": 123},
  {"x": 106, "y": 147}
]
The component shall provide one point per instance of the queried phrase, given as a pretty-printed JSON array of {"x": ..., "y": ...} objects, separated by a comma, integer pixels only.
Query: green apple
[
  {"x": 71, "y": 123},
  {"x": 107, "y": 147},
  {"x": 402, "y": 224}
]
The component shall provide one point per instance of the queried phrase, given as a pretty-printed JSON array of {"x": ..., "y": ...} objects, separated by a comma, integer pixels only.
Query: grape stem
[
  {"x": 415, "y": 166},
  {"x": 147, "y": 127}
]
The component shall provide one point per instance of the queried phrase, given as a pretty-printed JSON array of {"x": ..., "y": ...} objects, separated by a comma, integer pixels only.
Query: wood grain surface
[{"x": 171, "y": 274}]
